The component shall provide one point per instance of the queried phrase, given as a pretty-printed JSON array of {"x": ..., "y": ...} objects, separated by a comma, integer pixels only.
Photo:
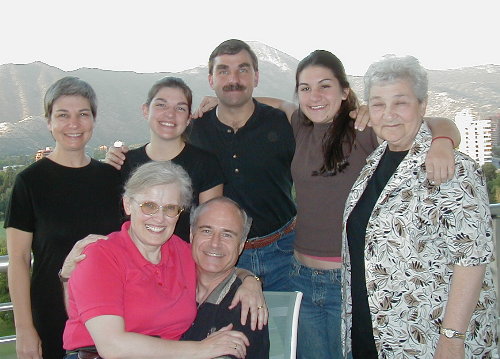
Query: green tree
[
  {"x": 496, "y": 151},
  {"x": 6, "y": 318},
  {"x": 15, "y": 160},
  {"x": 489, "y": 171},
  {"x": 7, "y": 179},
  {"x": 492, "y": 181},
  {"x": 495, "y": 188}
]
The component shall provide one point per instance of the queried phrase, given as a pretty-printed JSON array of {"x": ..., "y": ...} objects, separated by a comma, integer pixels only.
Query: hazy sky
[{"x": 175, "y": 35}]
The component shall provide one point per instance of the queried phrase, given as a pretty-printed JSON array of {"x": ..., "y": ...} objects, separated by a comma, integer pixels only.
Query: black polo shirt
[{"x": 256, "y": 162}]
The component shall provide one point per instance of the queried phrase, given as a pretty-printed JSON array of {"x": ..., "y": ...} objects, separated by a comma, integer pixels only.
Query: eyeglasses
[{"x": 151, "y": 208}]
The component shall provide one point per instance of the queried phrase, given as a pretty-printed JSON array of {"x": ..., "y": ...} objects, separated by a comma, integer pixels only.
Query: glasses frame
[{"x": 158, "y": 207}]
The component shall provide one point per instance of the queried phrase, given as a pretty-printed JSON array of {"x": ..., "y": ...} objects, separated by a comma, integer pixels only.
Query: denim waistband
[{"x": 298, "y": 267}]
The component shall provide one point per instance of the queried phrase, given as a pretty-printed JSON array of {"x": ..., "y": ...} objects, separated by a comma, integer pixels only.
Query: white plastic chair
[{"x": 284, "y": 308}]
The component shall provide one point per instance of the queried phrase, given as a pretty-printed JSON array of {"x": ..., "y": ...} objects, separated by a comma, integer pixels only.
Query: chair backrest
[{"x": 284, "y": 310}]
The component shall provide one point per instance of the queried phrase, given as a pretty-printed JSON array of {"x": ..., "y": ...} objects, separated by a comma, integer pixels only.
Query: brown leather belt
[{"x": 271, "y": 238}]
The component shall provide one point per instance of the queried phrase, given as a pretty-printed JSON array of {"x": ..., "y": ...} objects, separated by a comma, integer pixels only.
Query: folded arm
[{"x": 113, "y": 342}]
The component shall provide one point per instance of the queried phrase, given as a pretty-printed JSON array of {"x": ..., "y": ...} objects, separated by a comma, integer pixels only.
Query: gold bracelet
[{"x": 251, "y": 275}]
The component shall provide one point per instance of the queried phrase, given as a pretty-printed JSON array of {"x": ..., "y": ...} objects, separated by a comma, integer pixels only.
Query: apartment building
[{"x": 476, "y": 136}]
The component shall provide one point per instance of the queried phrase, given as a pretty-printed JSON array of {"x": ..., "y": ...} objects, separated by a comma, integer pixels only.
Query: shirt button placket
[
  {"x": 235, "y": 156},
  {"x": 158, "y": 279}
]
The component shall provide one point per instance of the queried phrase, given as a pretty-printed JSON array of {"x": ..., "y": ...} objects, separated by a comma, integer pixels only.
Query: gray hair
[
  {"x": 393, "y": 68},
  {"x": 157, "y": 173},
  {"x": 247, "y": 221},
  {"x": 69, "y": 86}
]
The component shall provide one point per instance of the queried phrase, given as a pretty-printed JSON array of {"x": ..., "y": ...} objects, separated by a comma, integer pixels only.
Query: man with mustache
[{"x": 255, "y": 145}]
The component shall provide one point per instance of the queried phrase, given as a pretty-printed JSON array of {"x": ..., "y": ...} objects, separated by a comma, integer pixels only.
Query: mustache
[{"x": 234, "y": 87}]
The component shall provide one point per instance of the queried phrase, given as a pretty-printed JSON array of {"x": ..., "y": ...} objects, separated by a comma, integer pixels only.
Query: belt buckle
[{"x": 250, "y": 244}]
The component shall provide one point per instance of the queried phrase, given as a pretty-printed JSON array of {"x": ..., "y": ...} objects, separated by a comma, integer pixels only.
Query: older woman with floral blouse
[{"x": 416, "y": 282}]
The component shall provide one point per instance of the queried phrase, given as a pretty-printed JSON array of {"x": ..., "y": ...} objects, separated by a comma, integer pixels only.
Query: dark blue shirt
[
  {"x": 213, "y": 314},
  {"x": 256, "y": 162}
]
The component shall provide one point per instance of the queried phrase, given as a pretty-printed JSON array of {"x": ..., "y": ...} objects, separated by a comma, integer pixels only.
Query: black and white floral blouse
[{"x": 416, "y": 233}]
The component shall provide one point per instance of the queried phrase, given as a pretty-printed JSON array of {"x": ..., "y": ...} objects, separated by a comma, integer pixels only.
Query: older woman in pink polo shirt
[{"x": 134, "y": 294}]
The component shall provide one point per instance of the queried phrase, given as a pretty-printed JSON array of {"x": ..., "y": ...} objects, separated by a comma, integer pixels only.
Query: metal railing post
[{"x": 495, "y": 267}]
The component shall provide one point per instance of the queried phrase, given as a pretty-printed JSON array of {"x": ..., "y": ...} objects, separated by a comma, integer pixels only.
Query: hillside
[{"x": 121, "y": 93}]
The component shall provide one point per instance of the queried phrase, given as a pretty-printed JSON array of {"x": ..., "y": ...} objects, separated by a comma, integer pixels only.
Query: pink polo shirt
[{"x": 115, "y": 279}]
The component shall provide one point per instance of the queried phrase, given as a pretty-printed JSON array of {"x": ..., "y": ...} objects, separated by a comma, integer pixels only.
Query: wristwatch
[{"x": 451, "y": 333}]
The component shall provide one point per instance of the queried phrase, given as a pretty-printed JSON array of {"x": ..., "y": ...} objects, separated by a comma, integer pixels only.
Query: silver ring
[{"x": 260, "y": 307}]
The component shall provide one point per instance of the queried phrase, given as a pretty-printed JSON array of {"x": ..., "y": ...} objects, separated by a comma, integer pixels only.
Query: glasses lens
[
  {"x": 171, "y": 210},
  {"x": 149, "y": 208}
]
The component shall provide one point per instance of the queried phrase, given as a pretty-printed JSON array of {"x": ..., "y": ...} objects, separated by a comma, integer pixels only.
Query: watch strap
[{"x": 451, "y": 333}]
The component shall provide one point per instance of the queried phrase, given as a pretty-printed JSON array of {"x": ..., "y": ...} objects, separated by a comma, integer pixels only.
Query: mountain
[{"x": 121, "y": 93}]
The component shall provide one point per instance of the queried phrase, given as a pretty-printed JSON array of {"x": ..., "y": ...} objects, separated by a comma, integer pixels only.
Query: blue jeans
[
  {"x": 271, "y": 263},
  {"x": 319, "y": 335}
]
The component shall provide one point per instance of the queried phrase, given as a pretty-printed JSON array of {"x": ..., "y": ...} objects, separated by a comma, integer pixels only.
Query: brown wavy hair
[{"x": 339, "y": 138}]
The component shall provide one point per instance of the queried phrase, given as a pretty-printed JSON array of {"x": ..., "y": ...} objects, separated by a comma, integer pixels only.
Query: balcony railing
[{"x": 7, "y": 343}]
